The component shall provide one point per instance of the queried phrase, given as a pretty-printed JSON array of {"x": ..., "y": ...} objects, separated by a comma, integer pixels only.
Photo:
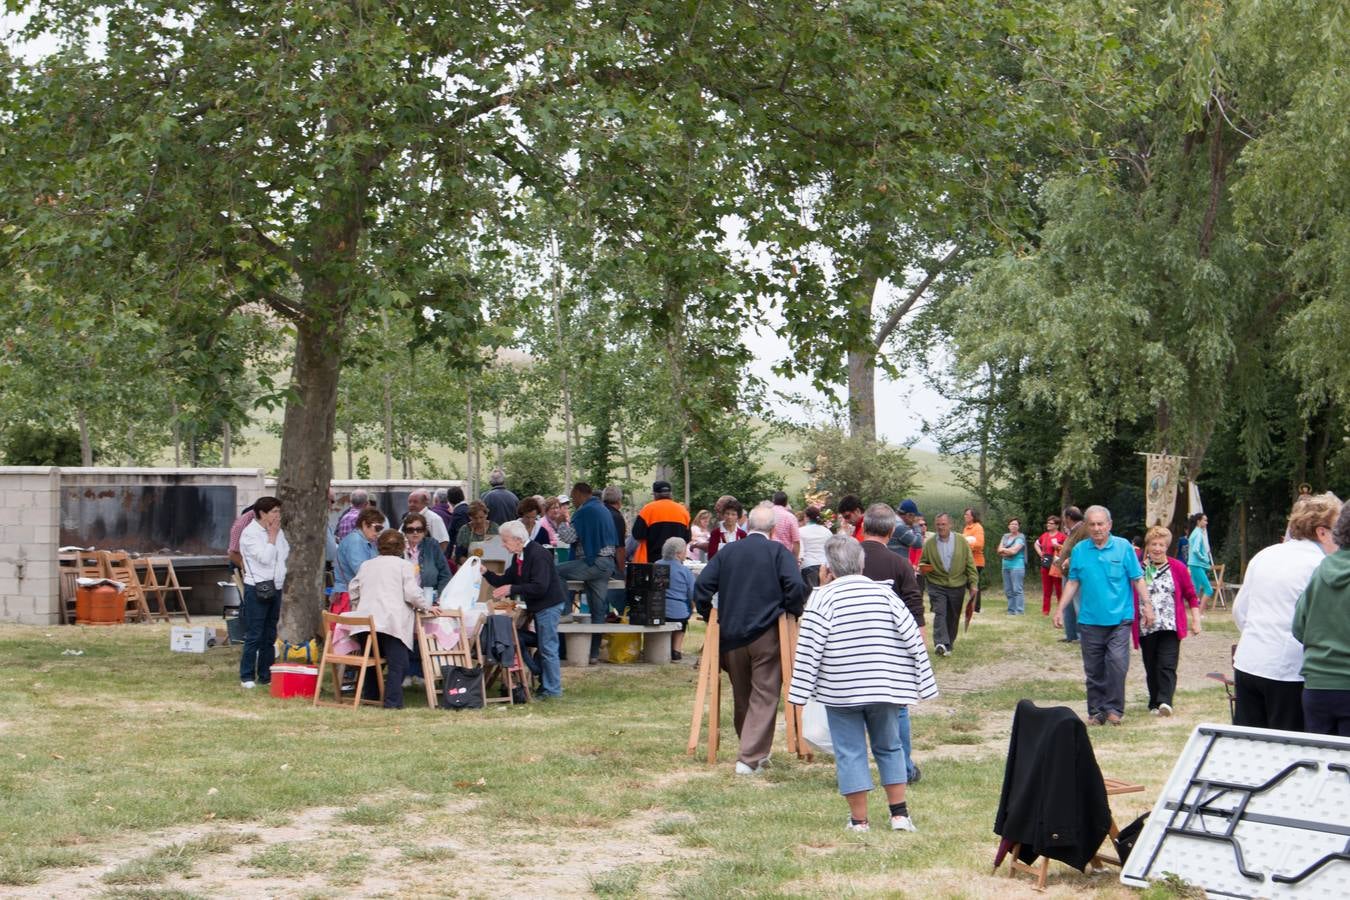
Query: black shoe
[
  {"x": 676, "y": 655},
  {"x": 917, "y": 776}
]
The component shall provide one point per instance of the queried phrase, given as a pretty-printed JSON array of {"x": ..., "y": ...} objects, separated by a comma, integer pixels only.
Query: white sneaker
[
  {"x": 249, "y": 685},
  {"x": 407, "y": 681},
  {"x": 902, "y": 823},
  {"x": 418, "y": 681},
  {"x": 941, "y": 649},
  {"x": 1164, "y": 709},
  {"x": 743, "y": 769},
  {"x": 858, "y": 827},
  {"x": 1154, "y": 712}
]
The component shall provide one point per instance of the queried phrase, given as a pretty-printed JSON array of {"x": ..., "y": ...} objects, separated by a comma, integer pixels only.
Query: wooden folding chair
[
  {"x": 510, "y": 677},
  {"x": 463, "y": 653},
  {"x": 119, "y": 567},
  {"x": 1040, "y": 867},
  {"x": 169, "y": 589},
  {"x": 1219, "y": 588},
  {"x": 367, "y": 659},
  {"x": 68, "y": 571}
]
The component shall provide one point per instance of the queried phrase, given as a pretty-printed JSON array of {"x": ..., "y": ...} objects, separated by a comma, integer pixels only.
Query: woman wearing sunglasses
[{"x": 433, "y": 573}]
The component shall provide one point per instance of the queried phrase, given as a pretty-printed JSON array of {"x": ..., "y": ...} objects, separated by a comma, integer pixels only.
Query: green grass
[{"x": 104, "y": 756}]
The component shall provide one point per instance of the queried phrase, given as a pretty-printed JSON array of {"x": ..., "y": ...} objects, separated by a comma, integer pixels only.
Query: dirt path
[{"x": 437, "y": 853}]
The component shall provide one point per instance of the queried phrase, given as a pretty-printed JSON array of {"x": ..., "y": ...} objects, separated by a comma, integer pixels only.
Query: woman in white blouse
[
  {"x": 1267, "y": 667},
  {"x": 264, "y": 549},
  {"x": 861, "y": 655},
  {"x": 387, "y": 589}
]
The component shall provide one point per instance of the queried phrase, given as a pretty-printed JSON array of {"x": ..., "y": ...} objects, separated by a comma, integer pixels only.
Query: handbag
[
  {"x": 265, "y": 591},
  {"x": 462, "y": 687}
]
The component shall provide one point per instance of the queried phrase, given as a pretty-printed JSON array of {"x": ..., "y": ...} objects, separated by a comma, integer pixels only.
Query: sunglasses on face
[{"x": 414, "y": 530}]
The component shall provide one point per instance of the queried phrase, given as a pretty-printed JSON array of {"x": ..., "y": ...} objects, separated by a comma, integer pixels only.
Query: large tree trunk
[
  {"x": 307, "y": 466},
  {"x": 86, "y": 445},
  {"x": 862, "y": 364},
  {"x": 225, "y": 444},
  {"x": 862, "y": 400}
]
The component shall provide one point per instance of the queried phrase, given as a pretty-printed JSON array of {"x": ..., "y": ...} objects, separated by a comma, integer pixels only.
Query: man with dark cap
[
  {"x": 501, "y": 503},
  {"x": 906, "y": 536},
  {"x": 659, "y": 521}
]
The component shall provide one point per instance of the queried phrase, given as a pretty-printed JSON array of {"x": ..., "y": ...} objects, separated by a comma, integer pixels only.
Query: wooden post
[
  {"x": 714, "y": 655},
  {"x": 708, "y": 690},
  {"x": 785, "y": 654}
]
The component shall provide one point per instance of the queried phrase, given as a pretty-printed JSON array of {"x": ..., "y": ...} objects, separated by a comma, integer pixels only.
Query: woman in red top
[
  {"x": 729, "y": 530},
  {"x": 1047, "y": 547}
]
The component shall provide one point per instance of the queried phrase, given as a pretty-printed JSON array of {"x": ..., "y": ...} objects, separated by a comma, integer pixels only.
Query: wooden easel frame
[
  {"x": 708, "y": 692},
  {"x": 788, "y": 629}
]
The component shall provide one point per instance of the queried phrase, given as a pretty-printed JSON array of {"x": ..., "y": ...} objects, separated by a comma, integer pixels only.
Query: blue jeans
[
  {"x": 260, "y": 636},
  {"x": 906, "y": 745},
  {"x": 596, "y": 578},
  {"x": 851, "y": 727},
  {"x": 1012, "y": 586},
  {"x": 546, "y": 629}
]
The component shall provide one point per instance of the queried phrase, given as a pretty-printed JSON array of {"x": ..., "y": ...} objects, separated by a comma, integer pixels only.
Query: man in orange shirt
[{"x": 661, "y": 519}]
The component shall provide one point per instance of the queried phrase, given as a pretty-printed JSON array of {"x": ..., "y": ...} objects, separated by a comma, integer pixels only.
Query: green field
[{"x": 128, "y": 771}]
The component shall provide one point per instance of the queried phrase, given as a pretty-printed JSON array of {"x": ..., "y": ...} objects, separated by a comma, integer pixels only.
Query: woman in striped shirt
[{"x": 862, "y": 656}]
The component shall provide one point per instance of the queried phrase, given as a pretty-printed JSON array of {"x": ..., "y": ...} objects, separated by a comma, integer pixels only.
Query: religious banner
[{"x": 1160, "y": 487}]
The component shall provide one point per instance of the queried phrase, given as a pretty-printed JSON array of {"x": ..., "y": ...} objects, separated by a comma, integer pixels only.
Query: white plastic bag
[
  {"x": 462, "y": 591},
  {"x": 816, "y": 727}
]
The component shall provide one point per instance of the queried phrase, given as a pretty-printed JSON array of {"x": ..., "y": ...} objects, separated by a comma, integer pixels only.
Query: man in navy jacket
[{"x": 756, "y": 580}]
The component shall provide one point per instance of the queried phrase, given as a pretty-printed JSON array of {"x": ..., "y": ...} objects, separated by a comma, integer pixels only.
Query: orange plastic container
[{"x": 100, "y": 605}]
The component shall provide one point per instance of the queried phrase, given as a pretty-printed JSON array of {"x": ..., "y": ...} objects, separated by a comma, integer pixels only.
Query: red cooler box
[{"x": 291, "y": 680}]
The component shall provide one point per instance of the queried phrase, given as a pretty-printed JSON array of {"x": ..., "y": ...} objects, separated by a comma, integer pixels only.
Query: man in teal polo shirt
[{"x": 1105, "y": 576}]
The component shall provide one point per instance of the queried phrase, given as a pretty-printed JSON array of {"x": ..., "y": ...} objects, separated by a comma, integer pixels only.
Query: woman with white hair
[
  {"x": 532, "y": 577},
  {"x": 861, "y": 655},
  {"x": 680, "y": 593}
]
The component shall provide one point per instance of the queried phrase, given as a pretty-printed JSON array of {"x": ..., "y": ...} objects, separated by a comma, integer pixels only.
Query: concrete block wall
[{"x": 30, "y": 515}]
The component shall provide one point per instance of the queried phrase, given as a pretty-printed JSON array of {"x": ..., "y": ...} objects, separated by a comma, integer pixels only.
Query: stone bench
[{"x": 578, "y": 638}]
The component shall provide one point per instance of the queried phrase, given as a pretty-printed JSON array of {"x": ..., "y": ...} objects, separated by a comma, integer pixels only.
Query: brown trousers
[{"x": 756, "y": 673}]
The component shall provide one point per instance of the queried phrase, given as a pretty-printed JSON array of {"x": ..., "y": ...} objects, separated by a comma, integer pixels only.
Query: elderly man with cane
[{"x": 756, "y": 580}]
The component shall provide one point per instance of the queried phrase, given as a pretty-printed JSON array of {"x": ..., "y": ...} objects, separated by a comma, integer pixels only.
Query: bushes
[{"x": 25, "y": 444}]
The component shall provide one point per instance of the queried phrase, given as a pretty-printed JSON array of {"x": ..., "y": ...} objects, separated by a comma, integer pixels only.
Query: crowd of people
[{"x": 859, "y": 594}]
